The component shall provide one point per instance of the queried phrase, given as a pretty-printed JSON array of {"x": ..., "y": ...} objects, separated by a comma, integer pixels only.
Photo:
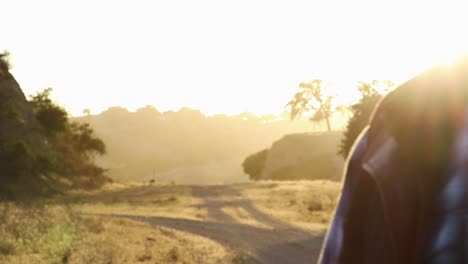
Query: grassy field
[
  {"x": 306, "y": 204},
  {"x": 37, "y": 233},
  {"x": 66, "y": 229}
]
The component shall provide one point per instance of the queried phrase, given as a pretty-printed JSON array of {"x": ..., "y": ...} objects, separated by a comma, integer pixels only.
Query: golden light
[{"x": 205, "y": 57}]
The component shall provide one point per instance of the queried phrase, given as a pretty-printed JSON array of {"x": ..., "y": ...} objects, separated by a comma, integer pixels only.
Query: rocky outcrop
[
  {"x": 17, "y": 121},
  {"x": 304, "y": 156},
  {"x": 41, "y": 152},
  {"x": 23, "y": 146}
]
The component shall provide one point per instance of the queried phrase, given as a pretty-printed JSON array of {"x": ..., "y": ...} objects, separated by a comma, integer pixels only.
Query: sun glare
[{"x": 217, "y": 63}]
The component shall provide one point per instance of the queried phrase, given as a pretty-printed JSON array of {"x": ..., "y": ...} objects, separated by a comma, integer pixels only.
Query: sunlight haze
[
  {"x": 219, "y": 56},
  {"x": 233, "y": 132}
]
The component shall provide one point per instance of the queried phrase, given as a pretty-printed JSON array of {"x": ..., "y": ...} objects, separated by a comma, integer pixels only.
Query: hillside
[
  {"x": 305, "y": 156},
  {"x": 184, "y": 146},
  {"x": 18, "y": 122},
  {"x": 41, "y": 151},
  {"x": 23, "y": 144},
  {"x": 299, "y": 156}
]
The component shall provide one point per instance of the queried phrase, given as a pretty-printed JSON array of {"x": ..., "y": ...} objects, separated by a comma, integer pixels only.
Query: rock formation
[{"x": 23, "y": 145}]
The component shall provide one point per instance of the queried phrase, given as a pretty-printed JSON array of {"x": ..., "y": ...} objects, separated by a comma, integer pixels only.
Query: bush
[
  {"x": 69, "y": 150},
  {"x": 16, "y": 160},
  {"x": 4, "y": 63},
  {"x": 38, "y": 142},
  {"x": 43, "y": 232},
  {"x": 254, "y": 164},
  {"x": 73, "y": 145}
]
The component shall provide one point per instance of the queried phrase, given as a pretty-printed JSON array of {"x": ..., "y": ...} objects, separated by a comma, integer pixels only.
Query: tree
[
  {"x": 4, "y": 62},
  {"x": 87, "y": 112},
  {"x": 85, "y": 142},
  {"x": 253, "y": 165},
  {"x": 361, "y": 112},
  {"x": 312, "y": 97},
  {"x": 52, "y": 117},
  {"x": 73, "y": 145}
]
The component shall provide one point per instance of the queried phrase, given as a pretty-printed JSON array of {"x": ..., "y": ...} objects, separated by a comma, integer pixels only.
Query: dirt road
[{"x": 270, "y": 242}]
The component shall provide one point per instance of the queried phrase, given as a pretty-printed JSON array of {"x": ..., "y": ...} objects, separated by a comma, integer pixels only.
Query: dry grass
[
  {"x": 54, "y": 231},
  {"x": 125, "y": 241},
  {"x": 146, "y": 200},
  {"x": 306, "y": 204},
  {"x": 56, "y": 234},
  {"x": 301, "y": 203},
  {"x": 37, "y": 233}
]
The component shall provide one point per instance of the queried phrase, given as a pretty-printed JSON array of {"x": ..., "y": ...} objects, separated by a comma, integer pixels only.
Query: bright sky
[{"x": 219, "y": 56}]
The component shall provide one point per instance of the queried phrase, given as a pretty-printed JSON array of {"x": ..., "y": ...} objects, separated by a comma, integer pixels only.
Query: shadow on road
[
  {"x": 267, "y": 246},
  {"x": 281, "y": 244}
]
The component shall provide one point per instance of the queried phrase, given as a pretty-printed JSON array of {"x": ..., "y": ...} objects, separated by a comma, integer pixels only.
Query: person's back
[{"x": 403, "y": 199}]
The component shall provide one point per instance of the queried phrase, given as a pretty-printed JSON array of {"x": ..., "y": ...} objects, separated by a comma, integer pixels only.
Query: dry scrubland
[
  {"x": 66, "y": 229},
  {"x": 137, "y": 199},
  {"x": 57, "y": 234},
  {"x": 305, "y": 204}
]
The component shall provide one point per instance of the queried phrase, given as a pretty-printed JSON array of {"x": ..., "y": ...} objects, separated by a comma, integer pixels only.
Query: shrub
[
  {"x": 16, "y": 160},
  {"x": 253, "y": 165},
  {"x": 73, "y": 145},
  {"x": 4, "y": 63}
]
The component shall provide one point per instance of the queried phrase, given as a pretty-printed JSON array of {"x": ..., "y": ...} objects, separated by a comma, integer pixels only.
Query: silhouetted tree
[
  {"x": 4, "y": 62},
  {"x": 87, "y": 111},
  {"x": 53, "y": 118},
  {"x": 311, "y": 98},
  {"x": 148, "y": 110},
  {"x": 361, "y": 112},
  {"x": 74, "y": 145},
  {"x": 85, "y": 141},
  {"x": 253, "y": 165}
]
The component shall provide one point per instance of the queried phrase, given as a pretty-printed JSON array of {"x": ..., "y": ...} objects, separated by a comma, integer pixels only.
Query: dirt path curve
[{"x": 280, "y": 244}]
